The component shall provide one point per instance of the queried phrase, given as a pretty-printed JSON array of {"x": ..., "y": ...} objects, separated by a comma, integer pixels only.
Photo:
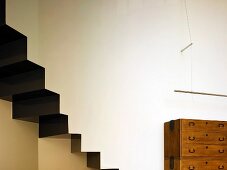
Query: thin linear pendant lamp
[{"x": 200, "y": 93}]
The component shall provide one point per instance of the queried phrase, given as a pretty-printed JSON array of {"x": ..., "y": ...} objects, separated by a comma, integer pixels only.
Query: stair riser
[
  {"x": 13, "y": 52},
  {"x": 21, "y": 83},
  {"x": 41, "y": 106},
  {"x": 53, "y": 125},
  {"x": 9, "y": 35}
]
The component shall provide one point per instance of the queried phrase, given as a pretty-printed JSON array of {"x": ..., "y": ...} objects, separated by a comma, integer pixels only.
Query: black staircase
[{"x": 23, "y": 83}]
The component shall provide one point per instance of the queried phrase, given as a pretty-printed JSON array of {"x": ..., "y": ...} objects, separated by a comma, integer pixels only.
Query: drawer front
[
  {"x": 204, "y": 150},
  {"x": 189, "y": 137},
  {"x": 198, "y": 125},
  {"x": 203, "y": 164}
]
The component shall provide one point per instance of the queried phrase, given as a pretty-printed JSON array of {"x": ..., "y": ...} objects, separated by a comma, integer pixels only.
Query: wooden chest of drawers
[{"x": 195, "y": 145}]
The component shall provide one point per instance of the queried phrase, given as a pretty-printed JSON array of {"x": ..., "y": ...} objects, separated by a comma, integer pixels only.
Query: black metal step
[
  {"x": 93, "y": 160},
  {"x": 13, "y": 52},
  {"x": 51, "y": 125},
  {"x": 9, "y": 34},
  {"x": 2, "y": 12},
  {"x": 13, "y": 44},
  {"x": 19, "y": 78},
  {"x": 21, "y": 83},
  {"x": 18, "y": 68},
  {"x": 29, "y": 106}
]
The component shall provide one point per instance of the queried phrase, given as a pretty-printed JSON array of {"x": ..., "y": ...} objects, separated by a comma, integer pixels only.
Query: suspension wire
[
  {"x": 188, "y": 23},
  {"x": 191, "y": 43}
]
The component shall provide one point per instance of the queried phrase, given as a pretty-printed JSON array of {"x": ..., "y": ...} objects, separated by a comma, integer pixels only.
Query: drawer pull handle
[
  {"x": 221, "y": 139},
  {"x": 191, "y": 123},
  {"x": 193, "y": 150},
  {"x": 192, "y": 138},
  {"x": 221, "y": 125},
  {"x": 221, "y": 167},
  {"x": 221, "y": 150},
  {"x": 191, "y": 167}
]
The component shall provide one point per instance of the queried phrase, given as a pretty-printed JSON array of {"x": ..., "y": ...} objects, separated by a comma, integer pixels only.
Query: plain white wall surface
[{"x": 116, "y": 64}]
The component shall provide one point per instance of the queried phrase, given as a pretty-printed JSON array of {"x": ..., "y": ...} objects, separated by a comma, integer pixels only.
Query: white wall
[{"x": 116, "y": 64}]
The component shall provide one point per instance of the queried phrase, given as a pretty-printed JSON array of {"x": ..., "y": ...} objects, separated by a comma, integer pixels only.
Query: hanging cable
[
  {"x": 190, "y": 39},
  {"x": 188, "y": 23}
]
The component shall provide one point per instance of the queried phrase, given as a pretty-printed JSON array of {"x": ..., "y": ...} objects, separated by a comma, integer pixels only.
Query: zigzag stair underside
[{"x": 22, "y": 82}]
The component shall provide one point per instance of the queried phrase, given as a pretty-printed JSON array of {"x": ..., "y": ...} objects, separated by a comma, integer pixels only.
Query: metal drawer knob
[
  {"x": 221, "y": 125},
  {"x": 192, "y": 138},
  {"x": 221, "y": 150},
  {"x": 221, "y": 139},
  {"x": 192, "y": 150},
  {"x": 221, "y": 167},
  {"x": 191, "y": 167},
  {"x": 191, "y": 123}
]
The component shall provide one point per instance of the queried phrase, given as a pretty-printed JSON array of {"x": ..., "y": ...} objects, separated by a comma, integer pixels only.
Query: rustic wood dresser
[{"x": 195, "y": 145}]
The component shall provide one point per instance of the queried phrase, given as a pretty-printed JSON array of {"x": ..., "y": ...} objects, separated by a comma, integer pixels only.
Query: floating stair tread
[
  {"x": 52, "y": 118},
  {"x": 30, "y": 105},
  {"x": 33, "y": 95},
  {"x": 67, "y": 136},
  {"x": 9, "y": 34},
  {"x": 21, "y": 83},
  {"x": 13, "y": 52},
  {"x": 18, "y": 68},
  {"x": 52, "y": 125}
]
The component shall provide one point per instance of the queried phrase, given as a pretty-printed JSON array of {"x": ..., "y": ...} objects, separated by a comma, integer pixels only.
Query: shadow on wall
[
  {"x": 19, "y": 142},
  {"x": 54, "y": 154},
  {"x": 21, "y": 149}
]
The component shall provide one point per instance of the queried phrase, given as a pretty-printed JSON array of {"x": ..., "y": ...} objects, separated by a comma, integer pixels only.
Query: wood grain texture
[
  {"x": 204, "y": 137},
  {"x": 197, "y": 164},
  {"x": 195, "y": 144},
  {"x": 203, "y": 125},
  {"x": 204, "y": 150}
]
